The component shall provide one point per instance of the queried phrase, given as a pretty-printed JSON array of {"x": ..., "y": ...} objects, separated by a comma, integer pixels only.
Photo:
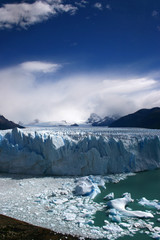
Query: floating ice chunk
[
  {"x": 86, "y": 187},
  {"x": 157, "y": 229},
  {"x": 112, "y": 228},
  {"x": 156, "y": 236},
  {"x": 90, "y": 222},
  {"x": 142, "y": 224},
  {"x": 125, "y": 225},
  {"x": 116, "y": 218},
  {"x": 69, "y": 217},
  {"x": 97, "y": 180},
  {"x": 120, "y": 203},
  {"x": 114, "y": 215},
  {"x": 109, "y": 196},
  {"x": 150, "y": 203}
]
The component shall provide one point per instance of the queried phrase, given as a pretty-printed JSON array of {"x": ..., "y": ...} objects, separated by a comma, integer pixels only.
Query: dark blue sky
[
  {"x": 91, "y": 38},
  {"x": 85, "y": 37}
]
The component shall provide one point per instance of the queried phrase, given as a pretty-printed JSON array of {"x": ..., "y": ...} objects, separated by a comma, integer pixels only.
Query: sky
[{"x": 65, "y": 59}]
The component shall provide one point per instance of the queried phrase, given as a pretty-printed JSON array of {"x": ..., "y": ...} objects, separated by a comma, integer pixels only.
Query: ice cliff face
[{"x": 56, "y": 151}]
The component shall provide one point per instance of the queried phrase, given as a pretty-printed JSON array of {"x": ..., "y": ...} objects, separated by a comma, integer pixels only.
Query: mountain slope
[
  {"x": 144, "y": 118},
  {"x": 6, "y": 124}
]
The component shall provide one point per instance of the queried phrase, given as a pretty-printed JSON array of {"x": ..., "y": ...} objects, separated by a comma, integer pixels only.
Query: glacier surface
[{"x": 78, "y": 151}]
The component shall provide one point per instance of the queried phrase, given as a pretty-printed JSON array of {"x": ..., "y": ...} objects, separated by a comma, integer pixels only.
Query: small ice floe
[
  {"x": 69, "y": 217},
  {"x": 113, "y": 228},
  {"x": 142, "y": 224},
  {"x": 119, "y": 204},
  {"x": 156, "y": 236},
  {"x": 156, "y": 233},
  {"x": 86, "y": 186},
  {"x": 109, "y": 196},
  {"x": 150, "y": 203},
  {"x": 125, "y": 225}
]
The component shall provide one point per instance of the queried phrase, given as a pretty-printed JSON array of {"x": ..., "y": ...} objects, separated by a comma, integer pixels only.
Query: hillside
[
  {"x": 6, "y": 124},
  {"x": 144, "y": 118}
]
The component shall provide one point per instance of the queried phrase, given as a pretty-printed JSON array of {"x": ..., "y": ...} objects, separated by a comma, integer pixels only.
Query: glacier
[{"x": 78, "y": 151}]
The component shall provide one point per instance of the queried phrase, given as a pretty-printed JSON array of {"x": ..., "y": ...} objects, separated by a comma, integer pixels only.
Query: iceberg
[
  {"x": 118, "y": 205},
  {"x": 86, "y": 186},
  {"x": 78, "y": 152},
  {"x": 150, "y": 203},
  {"x": 109, "y": 196}
]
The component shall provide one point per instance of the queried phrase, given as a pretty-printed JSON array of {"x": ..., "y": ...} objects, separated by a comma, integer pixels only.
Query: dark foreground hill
[
  {"x": 6, "y": 124},
  {"x": 144, "y": 118},
  {"x": 12, "y": 229}
]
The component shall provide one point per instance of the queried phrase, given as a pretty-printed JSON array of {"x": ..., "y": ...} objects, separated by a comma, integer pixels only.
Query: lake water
[{"x": 144, "y": 184}]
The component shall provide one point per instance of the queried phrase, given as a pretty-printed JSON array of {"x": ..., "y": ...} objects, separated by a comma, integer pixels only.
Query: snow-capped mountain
[
  {"x": 93, "y": 118},
  {"x": 106, "y": 121}
]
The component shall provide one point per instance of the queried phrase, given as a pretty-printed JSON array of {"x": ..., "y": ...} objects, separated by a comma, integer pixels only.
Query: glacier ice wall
[{"x": 78, "y": 151}]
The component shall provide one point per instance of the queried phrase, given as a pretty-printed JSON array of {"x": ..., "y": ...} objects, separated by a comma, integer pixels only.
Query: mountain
[
  {"x": 93, "y": 118},
  {"x": 6, "y": 124},
  {"x": 144, "y": 118},
  {"x": 106, "y": 121},
  {"x": 74, "y": 125}
]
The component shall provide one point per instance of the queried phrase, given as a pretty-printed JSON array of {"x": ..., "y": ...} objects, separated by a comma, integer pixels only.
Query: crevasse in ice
[{"x": 65, "y": 151}]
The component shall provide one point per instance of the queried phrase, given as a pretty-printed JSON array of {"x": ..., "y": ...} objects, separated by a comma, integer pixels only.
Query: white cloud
[
  {"x": 98, "y": 5},
  {"x": 37, "y": 66},
  {"x": 155, "y": 13},
  {"x": 26, "y": 14},
  {"x": 108, "y": 6},
  {"x": 82, "y": 3},
  {"x": 23, "y": 97}
]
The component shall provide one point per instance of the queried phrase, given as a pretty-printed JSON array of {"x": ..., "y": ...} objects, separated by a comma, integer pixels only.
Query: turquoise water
[{"x": 144, "y": 184}]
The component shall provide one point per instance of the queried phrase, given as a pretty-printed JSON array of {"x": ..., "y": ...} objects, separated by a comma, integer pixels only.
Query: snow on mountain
[
  {"x": 93, "y": 118},
  {"x": 106, "y": 121},
  {"x": 96, "y": 120},
  {"x": 84, "y": 151}
]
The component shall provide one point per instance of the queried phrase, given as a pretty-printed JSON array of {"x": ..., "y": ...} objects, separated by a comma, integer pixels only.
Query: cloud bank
[
  {"x": 26, "y": 14},
  {"x": 24, "y": 98}
]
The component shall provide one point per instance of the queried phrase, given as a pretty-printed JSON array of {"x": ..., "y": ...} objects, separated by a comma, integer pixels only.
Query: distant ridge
[
  {"x": 143, "y": 118},
  {"x": 6, "y": 124}
]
